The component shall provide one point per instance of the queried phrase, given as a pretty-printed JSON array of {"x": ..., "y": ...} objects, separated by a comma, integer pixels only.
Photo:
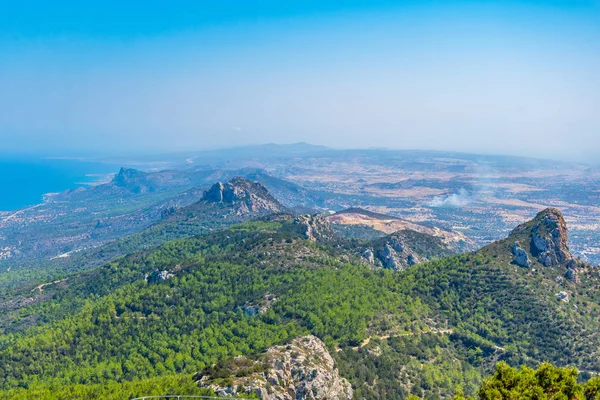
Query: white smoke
[{"x": 460, "y": 199}]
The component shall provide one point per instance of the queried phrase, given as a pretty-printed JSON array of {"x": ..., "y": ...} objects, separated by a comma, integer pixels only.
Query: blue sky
[{"x": 517, "y": 77}]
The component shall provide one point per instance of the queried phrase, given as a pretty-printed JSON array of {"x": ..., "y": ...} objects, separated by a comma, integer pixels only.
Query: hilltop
[
  {"x": 88, "y": 217},
  {"x": 222, "y": 205},
  {"x": 355, "y": 220},
  {"x": 303, "y": 368},
  {"x": 242, "y": 196}
]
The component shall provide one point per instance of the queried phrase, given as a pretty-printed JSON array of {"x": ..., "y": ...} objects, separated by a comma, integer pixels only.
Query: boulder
[
  {"x": 564, "y": 296},
  {"x": 158, "y": 276},
  {"x": 572, "y": 275},
  {"x": 520, "y": 256}
]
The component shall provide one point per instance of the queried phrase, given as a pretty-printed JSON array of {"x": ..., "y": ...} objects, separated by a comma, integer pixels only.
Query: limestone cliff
[{"x": 304, "y": 369}]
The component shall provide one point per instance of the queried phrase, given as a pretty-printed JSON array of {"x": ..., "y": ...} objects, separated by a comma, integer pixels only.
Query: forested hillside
[{"x": 429, "y": 330}]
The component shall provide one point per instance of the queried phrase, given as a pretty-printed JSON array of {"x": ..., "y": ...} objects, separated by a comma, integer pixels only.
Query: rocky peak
[
  {"x": 216, "y": 194},
  {"x": 125, "y": 175},
  {"x": 132, "y": 179},
  {"x": 548, "y": 237},
  {"x": 303, "y": 369},
  {"x": 249, "y": 196}
]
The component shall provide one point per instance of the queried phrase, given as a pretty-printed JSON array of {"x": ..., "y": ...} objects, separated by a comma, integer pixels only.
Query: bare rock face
[
  {"x": 521, "y": 258},
  {"x": 248, "y": 197},
  {"x": 158, "y": 276},
  {"x": 369, "y": 256},
  {"x": 572, "y": 275},
  {"x": 395, "y": 256},
  {"x": 404, "y": 249},
  {"x": 216, "y": 193},
  {"x": 303, "y": 369},
  {"x": 315, "y": 227},
  {"x": 389, "y": 258},
  {"x": 549, "y": 238},
  {"x": 574, "y": 267}
]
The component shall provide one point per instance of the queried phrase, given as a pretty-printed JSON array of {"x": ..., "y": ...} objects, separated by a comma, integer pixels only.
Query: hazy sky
[{"x": 518, "y": 77}]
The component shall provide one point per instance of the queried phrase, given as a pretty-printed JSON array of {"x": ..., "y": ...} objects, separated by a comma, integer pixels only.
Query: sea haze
[{"x": 24, "y": 181}]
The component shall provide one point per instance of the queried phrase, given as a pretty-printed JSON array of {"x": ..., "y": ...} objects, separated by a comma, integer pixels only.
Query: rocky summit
[
  {"x": 546, "y": 239},
  {"x": 549, "y": 237},
  {"x": 134, "y": 180},
  {"x": 245, "y": 195},
  {"x": 303, "y": 369}
]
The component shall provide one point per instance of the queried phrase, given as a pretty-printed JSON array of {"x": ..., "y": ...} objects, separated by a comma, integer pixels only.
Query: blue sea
[{"x": 24, "y": 181}]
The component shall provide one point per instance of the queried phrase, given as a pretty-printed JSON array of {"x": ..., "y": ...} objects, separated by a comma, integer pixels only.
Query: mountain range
[{"x": 175, "y": 306}]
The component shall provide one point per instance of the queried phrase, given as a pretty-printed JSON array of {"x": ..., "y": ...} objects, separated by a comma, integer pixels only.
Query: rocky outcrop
[
  {"x": 572, "y": 275},
  {"x": 259, "y": 307},
  {"x": 395, "y": 256},
  {"x": 133, "y": 180},
  {"x": 369, "y": 255},
  {"x": 563, "y": 296},
  {"x": 245, "y": 196},
  {"x": 218, "y": 193},
  {"x": 304, "y": 369},
  {"x": 315, "y": 227},
  {"x": 167, "y": 212},
  {"x": 520, "y": 256},
  {"x": 574, "y": 267},
  {"x": 406, "y": 248},
  {"x": 158, "y": 276},
  {"x": 549, "y": 237},
  {"x": 389, "y": 258}
]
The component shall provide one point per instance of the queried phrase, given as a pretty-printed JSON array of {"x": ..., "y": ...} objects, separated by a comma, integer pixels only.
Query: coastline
[
  {"x": 101, "y": 179},
  {"x": 27, "y": 183}
]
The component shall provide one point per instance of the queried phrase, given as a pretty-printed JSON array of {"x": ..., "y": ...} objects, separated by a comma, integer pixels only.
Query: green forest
[{"x": 434, "y": 330}]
